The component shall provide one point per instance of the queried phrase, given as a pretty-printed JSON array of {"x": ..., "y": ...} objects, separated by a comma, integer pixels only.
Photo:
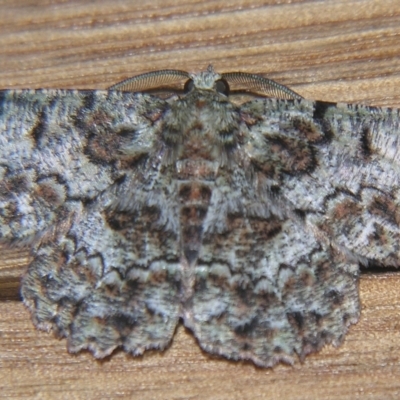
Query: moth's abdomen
[{"x": 194, "y": 198}]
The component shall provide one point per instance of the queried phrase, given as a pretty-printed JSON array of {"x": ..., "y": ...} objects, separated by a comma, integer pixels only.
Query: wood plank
[
  {"x": 333, "y": 50},
  {"x": 329, "y": 50}
]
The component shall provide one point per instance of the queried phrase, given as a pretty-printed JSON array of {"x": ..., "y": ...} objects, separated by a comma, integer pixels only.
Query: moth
[{"x": 225, "y": 201}]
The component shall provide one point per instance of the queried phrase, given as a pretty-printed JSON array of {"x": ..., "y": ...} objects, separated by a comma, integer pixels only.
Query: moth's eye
[
  {"x": 222, "y": 86},
  {"x": 189, "y": 86}
]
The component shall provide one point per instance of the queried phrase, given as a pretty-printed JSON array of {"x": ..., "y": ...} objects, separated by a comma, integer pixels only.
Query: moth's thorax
[{"x": 200, "y": 130}]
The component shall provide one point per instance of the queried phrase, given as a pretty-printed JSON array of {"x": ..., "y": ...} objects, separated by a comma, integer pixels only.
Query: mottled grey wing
[
  {"x": 75, "y": 187},
  {"x": 345, "y": 184},
  {"x": 266, "y": 288}
]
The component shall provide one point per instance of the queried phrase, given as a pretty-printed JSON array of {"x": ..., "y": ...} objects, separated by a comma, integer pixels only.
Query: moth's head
[{"x": 207, "y": 80}]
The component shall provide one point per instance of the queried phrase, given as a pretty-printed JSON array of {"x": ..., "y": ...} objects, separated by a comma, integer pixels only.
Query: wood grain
[{"x": 329, "y": 50}]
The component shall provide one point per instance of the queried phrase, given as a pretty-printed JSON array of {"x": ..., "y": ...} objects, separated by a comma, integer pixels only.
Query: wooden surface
[{"x": 328, "y": 50}]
